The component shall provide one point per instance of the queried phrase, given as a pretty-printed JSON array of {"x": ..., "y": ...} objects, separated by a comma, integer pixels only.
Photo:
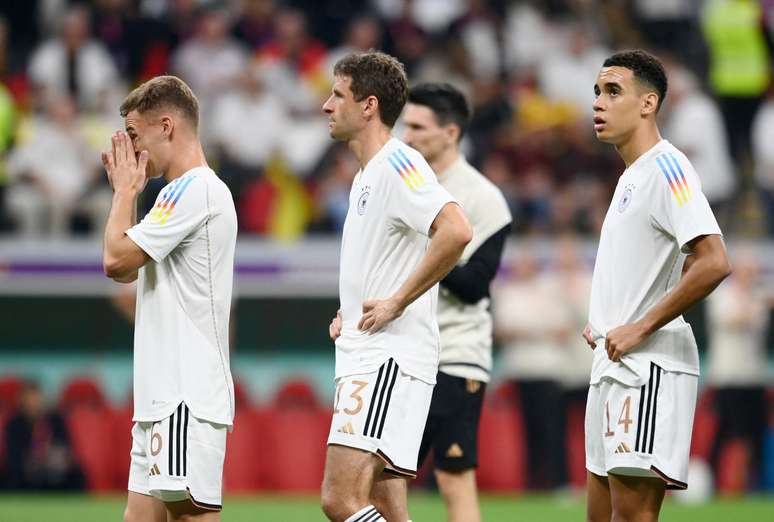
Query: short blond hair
[{"x": 163, "y": 92}]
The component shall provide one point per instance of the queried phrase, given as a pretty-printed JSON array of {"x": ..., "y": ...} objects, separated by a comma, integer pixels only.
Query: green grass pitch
[{"x": 424, "y": 508}]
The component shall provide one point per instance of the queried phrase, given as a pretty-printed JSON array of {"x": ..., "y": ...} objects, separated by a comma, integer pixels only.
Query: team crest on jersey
[
  {"x": 626, "y": 198},
  {"x": 363, "y": 199}
]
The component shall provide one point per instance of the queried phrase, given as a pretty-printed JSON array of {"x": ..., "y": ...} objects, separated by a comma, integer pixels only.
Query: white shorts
[
  {"x": 177, "y": 458},
  {"x": 383, "y": 412},
  {"x": 645, "y": 431}
]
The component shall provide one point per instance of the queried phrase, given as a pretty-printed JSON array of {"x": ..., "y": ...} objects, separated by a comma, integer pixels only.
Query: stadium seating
[
  {"x": 576, "y": 447},
  {"x": 704, "y": 426},
  {"x": 296, "y": 429},
  {"x": 296, "y": 393},
  {"x": 93, "y": 442},
  {"x": 10, "y": 393},
  {"x": 243, "y": 469},
  {"x": 81, "y": 391},
  {"x": 121, "y": 428},
  {"x": 501, "y": 442}
]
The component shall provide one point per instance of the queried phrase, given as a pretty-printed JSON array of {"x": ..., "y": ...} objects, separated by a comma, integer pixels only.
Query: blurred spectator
[
  {"x": 254, "y": 26},
  {"x": 54, "y": 173},
  {"x": 569, "y": 71},
  {"x": 740, "y": 65},
  {"x": 432, "y": 16},
  {"x": 763, "y": 153},
  {"x": 7, "y": 128},
  {"x": 528, "y": 36},
  {"x": 110, "y": 22},
  {"x": 38, "y": 452},
  {"x": 74, "y": 64},
  {"x": 572, "y": 280},
  {"x": 332, "y": 187},
  {"x": 409, "y": 41},
  {"x": 672, "y": 24},
  {"x": 239, "y": 131},
  {"x": 210, "y": 61},
  {"x": 297, "y": 63},
  {"x": 24, "y": 17},
  {"x": 737, "y": 369},
  {"x": 689, "y": 109},
  {"x": 363, "y": 33},
  {"x": 294, "y": 65},
  {"x": 586, "y": 173},
  {"x": 534, "y": 332},
  {"x": 480, "y": 30}
]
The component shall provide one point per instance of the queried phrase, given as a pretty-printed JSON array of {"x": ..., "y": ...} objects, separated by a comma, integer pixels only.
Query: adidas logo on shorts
[
  {"x": 347, "y": 428},
  {"x": 454, "y": 451}
]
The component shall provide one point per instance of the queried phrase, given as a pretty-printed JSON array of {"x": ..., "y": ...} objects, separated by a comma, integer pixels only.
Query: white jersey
[
  {"x": 658, "y": 207},
  {"x": 184, "y": 299},
  {"x": 466, "y": 329},
  {"x": 393, "y": 202}
]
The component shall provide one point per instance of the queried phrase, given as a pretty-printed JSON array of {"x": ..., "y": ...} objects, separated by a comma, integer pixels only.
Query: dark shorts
[{"x": 452, "y": 424}]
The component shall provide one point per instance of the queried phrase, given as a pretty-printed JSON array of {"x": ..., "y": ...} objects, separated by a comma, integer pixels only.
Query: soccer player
[
  {"x": 436, "y": 117},
  {"x": 182, "y": 254},
  {"x": 402, "y": 234},
  {"x": 642, "y": 396}
]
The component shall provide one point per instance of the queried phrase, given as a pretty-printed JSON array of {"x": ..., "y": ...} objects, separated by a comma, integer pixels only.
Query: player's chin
[
  {"x": 337, "y": 134},
  {"x": 604, "y": 136}
]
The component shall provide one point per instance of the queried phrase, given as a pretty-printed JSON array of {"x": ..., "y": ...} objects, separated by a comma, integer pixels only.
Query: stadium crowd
[{"x": 262, "y": 69}]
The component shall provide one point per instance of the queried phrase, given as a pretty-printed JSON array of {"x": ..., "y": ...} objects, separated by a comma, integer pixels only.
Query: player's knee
[
  {"x": 631, "y": 514},
  {"x": 337, "y": 507},
  {"x": 131, "y": 515},
  {"x": 455, "y": 483}
]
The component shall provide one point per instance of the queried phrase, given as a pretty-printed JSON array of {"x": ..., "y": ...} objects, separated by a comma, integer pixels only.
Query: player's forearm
[
  {"x": 702, "y": 277},
  {"x": 117, "y": 247},
  {"x": 442, "y": 255}
]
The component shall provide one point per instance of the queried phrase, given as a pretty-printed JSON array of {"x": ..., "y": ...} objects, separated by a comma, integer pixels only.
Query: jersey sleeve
[
  {"x": 417, "y": 197},
  {"x": 181, "y": 207},
  {"x": 680, "y": 207}
]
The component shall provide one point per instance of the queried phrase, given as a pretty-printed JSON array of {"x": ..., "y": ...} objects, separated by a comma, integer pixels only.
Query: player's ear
[
  {"x": 167, "y": 126},
  {"x": 452, "y": 132},
  {"x": 649, "y": 103},
  {"x": 371, "y": 107}
]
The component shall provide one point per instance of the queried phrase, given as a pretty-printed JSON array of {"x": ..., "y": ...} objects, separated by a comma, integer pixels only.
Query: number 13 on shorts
[{"x": 355, "y": 399}]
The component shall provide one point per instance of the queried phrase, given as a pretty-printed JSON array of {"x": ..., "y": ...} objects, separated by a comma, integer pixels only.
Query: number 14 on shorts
[{"x": 625, "y": 418}]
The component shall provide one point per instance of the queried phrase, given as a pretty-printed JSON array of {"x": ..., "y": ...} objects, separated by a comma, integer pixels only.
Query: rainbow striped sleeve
[
  {"x": 404, "y": 168},
  {"x": 165, "y": 203},
  {"x": 675, "y": 177}
]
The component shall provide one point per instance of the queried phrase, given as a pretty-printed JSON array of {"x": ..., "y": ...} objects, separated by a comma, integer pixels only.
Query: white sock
[{"x": 367, "y": 514}]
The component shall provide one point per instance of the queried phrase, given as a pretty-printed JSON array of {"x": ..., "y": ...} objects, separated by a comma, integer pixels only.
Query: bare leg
[
  {"x": 390, "y": 497},
  {"x": 185, "y": 510},
  {"x": 598, "y": 504},
  {"x": 636, "y": 499},
  {"x": 144, "y": 508},
  {"x": 349, "y": 476},
  {"x": 459, "y": 494}
]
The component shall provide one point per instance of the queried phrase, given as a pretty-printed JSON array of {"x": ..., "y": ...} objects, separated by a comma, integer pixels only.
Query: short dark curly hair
[
  {"x": 374, "y": 73},
  {"x": 163, "y": 92},
  {"x": 647, "y": 69}
]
